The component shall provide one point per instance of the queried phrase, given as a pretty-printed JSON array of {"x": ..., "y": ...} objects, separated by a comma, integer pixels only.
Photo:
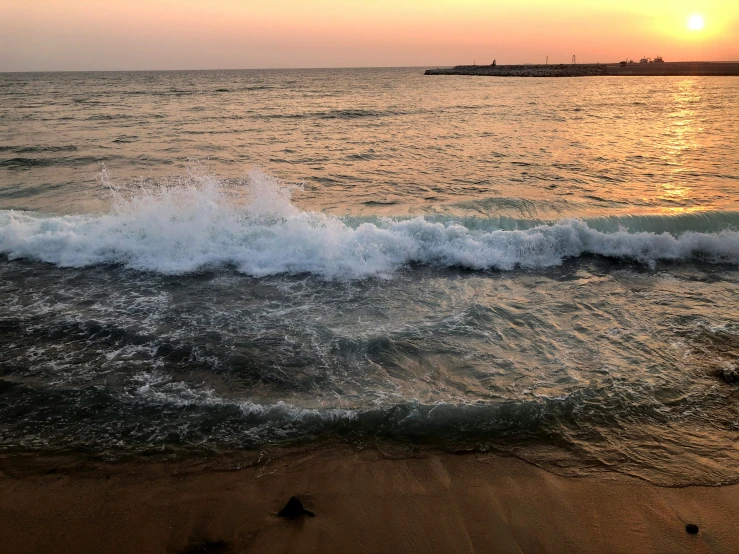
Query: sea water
[{"x": 200, "y": 261}]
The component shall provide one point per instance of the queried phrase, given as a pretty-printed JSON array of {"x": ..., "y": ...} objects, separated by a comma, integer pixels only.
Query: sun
[{"x": 696, "y": 22}]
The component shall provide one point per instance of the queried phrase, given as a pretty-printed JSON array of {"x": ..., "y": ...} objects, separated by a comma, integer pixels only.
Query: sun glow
[
  {"x": 696, "y": 22},
  {"x": 146, "y": 34}
]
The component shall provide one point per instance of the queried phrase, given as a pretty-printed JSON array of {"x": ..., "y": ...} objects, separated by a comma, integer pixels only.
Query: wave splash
[{"x": 202, "y": 222}]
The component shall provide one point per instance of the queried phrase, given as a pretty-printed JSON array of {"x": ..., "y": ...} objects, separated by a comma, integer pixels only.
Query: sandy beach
[{"x": 364, "y": 501}]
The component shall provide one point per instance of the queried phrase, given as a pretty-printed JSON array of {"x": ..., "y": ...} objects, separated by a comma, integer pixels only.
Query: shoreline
[
  {"x": 666, "y": 69},
  {"x": 363, "y": 500}
]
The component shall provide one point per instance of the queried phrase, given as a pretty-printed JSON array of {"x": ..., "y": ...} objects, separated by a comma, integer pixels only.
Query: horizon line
[{"x": 320, "y": 67}]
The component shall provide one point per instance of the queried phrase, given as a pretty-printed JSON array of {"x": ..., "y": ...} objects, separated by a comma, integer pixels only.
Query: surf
[{"x": 201, "y": 221}]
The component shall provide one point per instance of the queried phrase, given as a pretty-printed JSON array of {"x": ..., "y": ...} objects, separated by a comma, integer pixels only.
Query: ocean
[{"x": 196, "y": 262}]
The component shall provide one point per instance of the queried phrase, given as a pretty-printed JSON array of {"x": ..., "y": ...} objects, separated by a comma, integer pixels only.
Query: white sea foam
[
  {"x": 201, "y": 223},
  {"x": 158, "y": 388}
]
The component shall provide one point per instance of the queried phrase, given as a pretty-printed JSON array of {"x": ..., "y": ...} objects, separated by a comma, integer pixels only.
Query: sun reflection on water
[{"x": 682, "y": 137}]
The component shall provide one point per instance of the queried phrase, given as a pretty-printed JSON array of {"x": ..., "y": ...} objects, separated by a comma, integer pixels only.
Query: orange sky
[{"x": 38, "y": 35}]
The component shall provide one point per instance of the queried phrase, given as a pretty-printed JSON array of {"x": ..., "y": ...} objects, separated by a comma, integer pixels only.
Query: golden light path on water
[{"x": 682, "y": 137}]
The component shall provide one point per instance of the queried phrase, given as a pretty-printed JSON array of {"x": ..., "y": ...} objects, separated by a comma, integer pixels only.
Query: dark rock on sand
[
  {"x": 728, "y": 374},
  {"x": 5, "y": 386},
  {"x": 294, "y": 509},
  {"x": 691, "y": 528},
  {"x": 208, "y": 547}
]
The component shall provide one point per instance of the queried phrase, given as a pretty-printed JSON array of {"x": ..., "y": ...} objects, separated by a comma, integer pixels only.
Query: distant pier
[{"x": 595, "y": 70}]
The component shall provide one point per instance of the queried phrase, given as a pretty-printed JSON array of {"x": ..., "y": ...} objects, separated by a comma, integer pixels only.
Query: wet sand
[{"x": 363, "y": 502}]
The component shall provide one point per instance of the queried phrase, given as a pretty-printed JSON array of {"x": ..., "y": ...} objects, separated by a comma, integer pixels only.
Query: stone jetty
[{"x": 594, "y": 70}]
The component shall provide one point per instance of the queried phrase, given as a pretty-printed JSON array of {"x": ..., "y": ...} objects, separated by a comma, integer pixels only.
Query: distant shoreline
[{"x": 595, "y": 70}]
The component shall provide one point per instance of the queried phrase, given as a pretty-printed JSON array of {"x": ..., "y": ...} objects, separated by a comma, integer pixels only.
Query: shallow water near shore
[{"x": 538, "y": 267}]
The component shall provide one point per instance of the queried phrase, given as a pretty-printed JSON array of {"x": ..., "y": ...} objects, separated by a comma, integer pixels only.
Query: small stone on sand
[
  {"x": 293, "y": 509},
  {"x": 208, "y": 547}
]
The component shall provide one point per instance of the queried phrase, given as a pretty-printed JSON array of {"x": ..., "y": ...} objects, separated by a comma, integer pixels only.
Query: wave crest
[{"x": 200, "y": 222}]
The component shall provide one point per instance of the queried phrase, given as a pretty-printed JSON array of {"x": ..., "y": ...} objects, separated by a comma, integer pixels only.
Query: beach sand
[{"x": 364, "y": 501}]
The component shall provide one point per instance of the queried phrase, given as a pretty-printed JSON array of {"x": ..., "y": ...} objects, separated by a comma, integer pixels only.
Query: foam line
[{"x": 201, "y": 223}]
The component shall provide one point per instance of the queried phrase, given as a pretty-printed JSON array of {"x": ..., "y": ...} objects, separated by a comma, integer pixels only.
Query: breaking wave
[{"x": 202, "y": 222}]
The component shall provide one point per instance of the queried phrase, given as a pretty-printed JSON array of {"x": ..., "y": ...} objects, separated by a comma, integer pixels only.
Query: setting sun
[{"x": 696, "y": 22}]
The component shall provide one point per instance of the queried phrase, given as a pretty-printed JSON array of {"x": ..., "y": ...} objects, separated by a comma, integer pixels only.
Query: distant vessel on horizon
[{"x": 657, "y": 59}]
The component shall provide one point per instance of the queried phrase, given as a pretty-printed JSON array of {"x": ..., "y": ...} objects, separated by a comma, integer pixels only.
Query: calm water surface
[{"x": 205, "y": 260}]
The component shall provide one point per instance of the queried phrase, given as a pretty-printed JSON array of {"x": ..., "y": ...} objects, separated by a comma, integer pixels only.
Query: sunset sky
[{"x": 37, "y": 35}]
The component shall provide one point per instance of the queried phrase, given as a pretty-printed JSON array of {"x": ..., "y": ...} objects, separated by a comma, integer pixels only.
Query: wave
[
  {"x": 35, "y": 149},
  {"x": 14, "y": 163},
  {"x": 583, "y": 430},
  {"x": 22, "y": 163},
  {"x": 355, "y": 113},
  {"x": 250, "y": 423},
  {"x": 201, "y": 222}
]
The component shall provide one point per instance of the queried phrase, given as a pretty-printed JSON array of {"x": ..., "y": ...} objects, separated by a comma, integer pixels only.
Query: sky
[{"x": 82, "y": 35}]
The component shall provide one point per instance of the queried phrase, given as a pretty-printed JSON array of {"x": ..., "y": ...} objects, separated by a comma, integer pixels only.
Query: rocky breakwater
[{"x": 579, "y": 70}]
